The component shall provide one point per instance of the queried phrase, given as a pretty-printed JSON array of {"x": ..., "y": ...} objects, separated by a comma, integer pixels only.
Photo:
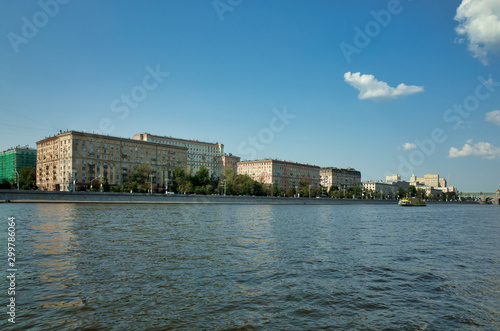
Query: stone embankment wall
[{"x": 98, "y": 197}]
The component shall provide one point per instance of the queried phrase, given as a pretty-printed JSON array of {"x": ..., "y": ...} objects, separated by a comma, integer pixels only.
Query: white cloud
[
  {"x": 409, "y": 146},
  {"x": 479, "y": 22},
  {"x": 485, "y": 150},
  {"x": 371, "y": 88},
  {"x": 493, "y": 117}
]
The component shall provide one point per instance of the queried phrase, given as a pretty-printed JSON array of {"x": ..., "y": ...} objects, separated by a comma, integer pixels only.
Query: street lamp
[
  {"x": 152, "y": 175},
  {"x": 17, "y": 179},
  {"x": 93, "y": 180},
  {"x": 74, "y": 181}
]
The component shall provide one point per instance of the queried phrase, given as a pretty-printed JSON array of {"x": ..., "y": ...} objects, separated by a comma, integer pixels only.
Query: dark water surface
[{"x": 192, "y": 267}]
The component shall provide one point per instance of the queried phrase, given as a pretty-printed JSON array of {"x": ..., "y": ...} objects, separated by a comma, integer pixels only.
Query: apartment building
[
  {"x": 343, "y": 178},
  {"x": 428, "y": 180},
  {"x": 286, "y": 174},
  {"x": 229, "y": 161},
  {"x": 79, "y": 158},
  {"x": 14, "y": 159},
  {"x": 199, "y": 153}
]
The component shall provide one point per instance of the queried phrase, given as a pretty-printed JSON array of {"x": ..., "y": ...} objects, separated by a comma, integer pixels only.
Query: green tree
[
  {"x": 277, "y": 191},
  {"x": 27, "y": 178},
  {"x": 201, "y": 178},
  {"x": 411, "y": 191},
  {"x": 116, "y": 188},
  {"x": 139, "y": 181},
  {"x": 105, "y": 185},
  {"x": 4, "y": 184},
  {"x": 178, "y": 180},
  {"x": 421, "y": 194},
  {"x": 334, "y": 188}
]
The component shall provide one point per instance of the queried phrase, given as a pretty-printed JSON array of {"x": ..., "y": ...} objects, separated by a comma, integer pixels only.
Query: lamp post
[
  {"x": 17, "y": 179},
  {"x": 152, "y": 175},
  {"x": 93, "y": 180},
  {"x": 74, "y": 181}
]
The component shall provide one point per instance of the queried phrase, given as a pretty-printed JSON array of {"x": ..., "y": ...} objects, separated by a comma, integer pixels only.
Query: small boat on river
[{"x": 412, "y": 202}]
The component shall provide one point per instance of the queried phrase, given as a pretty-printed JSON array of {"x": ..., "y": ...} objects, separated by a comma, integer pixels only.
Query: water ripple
[{"x": 124, "y": 267}]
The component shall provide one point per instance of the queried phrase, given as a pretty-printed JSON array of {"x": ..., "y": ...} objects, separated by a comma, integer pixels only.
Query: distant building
[
  {"x": 286, "y": 174},
  {"x": 15, "y": 159},
  {"x": 229, "y": 162},
  {"x": 393, "y": 178},
  {"x": 340, "y": 177},
  {"x": 84, "y": 157},
  {"x": 387, "y": 188},
  {"x": 428, "y": 180},
  {"x": 200, "y": 154}
]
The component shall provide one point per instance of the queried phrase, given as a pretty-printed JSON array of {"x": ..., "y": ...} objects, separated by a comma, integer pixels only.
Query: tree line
[
  {"x": 27, "y": 180},
  {"x": 201, "y": 182},
  {"x": 228, "y": 183}
]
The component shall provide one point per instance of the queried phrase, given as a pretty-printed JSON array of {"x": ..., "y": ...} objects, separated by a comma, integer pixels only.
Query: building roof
[
  {"x": 281, "y": 161},
  {"x": 20, "y": 148},
  {"x": 188, "y": 141},
  {"x": 129, "y": 140}
]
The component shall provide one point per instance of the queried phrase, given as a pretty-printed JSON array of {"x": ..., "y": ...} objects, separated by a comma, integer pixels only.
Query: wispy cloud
[
  {"x": 493, "y": 117},
  {"x": 371, "y": 88},
  {"x": 409, "y": 146},
  {"x": 479, "y": 22},
  {"x": 483, "y": 149}
]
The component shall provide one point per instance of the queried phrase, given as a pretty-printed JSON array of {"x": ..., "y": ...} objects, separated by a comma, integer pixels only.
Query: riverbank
[{"x": 10, "y": 196}]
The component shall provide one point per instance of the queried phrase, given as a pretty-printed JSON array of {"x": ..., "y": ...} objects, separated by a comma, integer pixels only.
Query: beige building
[
  {"x": 229, "y": 162},
  {"x": 286, "y": 174},
  {"x": 387, "y": 188},
  {"x": 82, "y": 158},
  {"x": 428, "y": 180},
  {"x": 340, "y": 177},
  {"x": 393, "y": 178},
  {"x": 200, "y": 154}
]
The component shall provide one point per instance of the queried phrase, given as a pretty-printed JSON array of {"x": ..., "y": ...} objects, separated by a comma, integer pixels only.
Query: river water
[{"x": 237, "y": 267}]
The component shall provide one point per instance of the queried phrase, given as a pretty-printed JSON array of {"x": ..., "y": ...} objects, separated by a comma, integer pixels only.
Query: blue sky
[{"x": 373, "y": 85}]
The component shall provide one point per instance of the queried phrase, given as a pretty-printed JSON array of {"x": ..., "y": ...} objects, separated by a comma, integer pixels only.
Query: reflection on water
[
  {"x": 53, "y": 242},
  {"x": 257, "y": 267}
]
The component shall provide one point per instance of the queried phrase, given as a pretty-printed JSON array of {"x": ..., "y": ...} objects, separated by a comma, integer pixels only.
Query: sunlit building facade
[
  {"x": 340, "y": 177},
  {"x": 199, "y": 153},
  {"x": 79, "y": 158},
  {"x": 286, "y": 174}
]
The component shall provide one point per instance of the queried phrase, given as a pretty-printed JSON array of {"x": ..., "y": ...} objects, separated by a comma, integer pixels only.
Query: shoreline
[{"x": 10, "y": 196}]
